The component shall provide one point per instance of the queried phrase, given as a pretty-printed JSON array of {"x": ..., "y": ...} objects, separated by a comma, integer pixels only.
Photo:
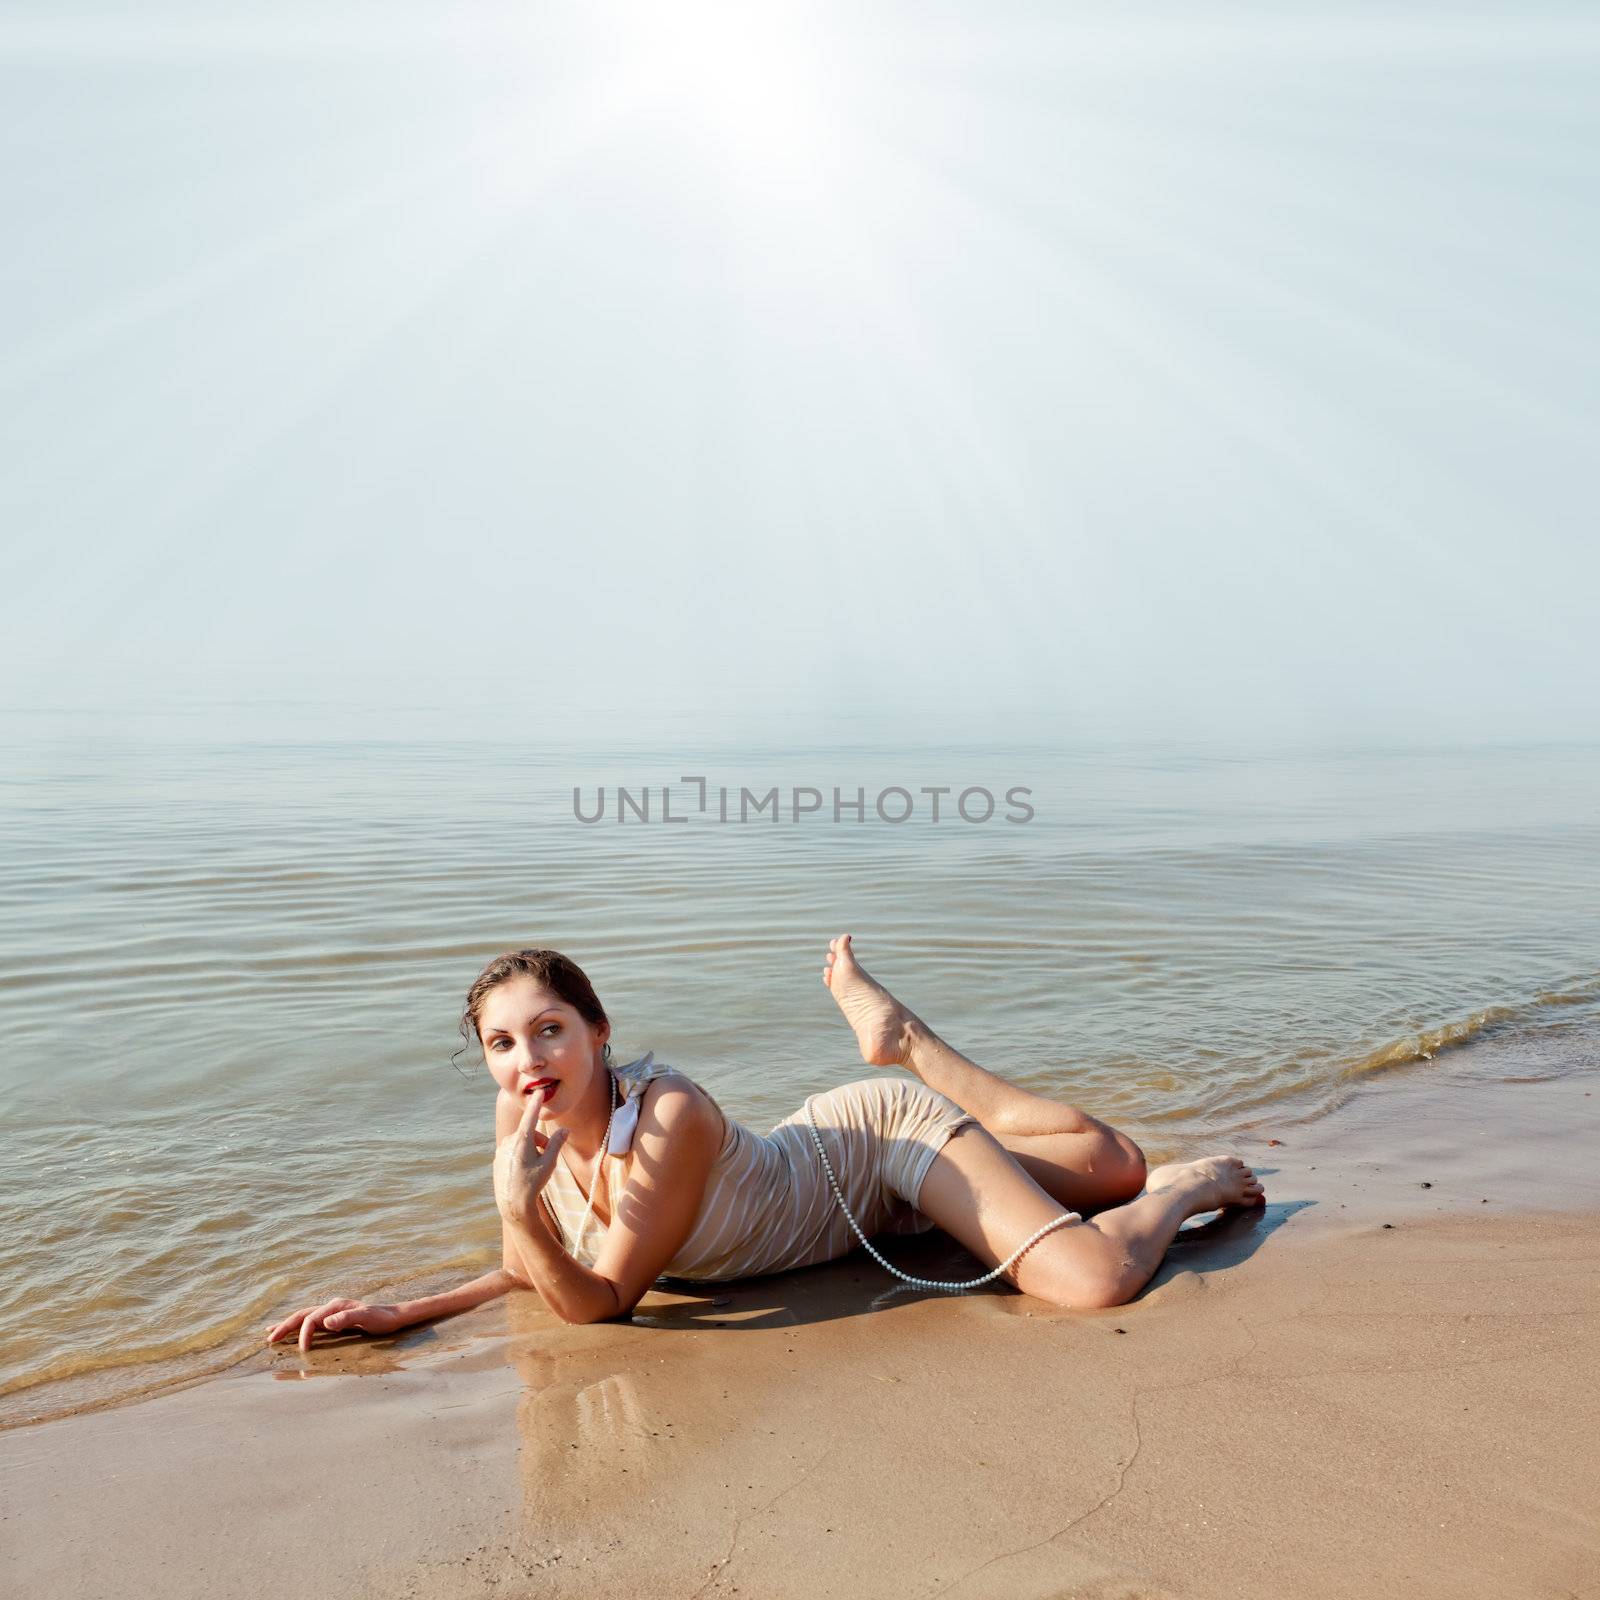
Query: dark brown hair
[{"x": 562, "y": 976}]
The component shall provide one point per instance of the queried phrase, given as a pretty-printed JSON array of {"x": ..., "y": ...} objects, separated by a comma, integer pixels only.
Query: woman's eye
[{"x": 505, "y": 1044}]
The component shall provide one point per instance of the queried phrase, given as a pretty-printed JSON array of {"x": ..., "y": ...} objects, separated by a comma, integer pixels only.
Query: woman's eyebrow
[{"x": 549, "y": 1011}]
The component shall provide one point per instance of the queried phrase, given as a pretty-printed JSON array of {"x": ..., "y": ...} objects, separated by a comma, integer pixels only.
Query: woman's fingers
[
  {"x": 539, "y": 1171},
  {"x": 530, "y": 1113},
  {"x": 286, "y": 1327},
  {"x": 314, "y": 1320},
  {"x": 546, "y": 1163},
  {"x": 524, "y": 1160},
  {"x": 310, "y": 1323},
  {"x": 522, "y": 1171},
  {"x": 289, "y": 1324},
  {"x": 369, "y": 1319},
  {"x": 537, "y": 1163},
  {"x": 335, "y": 1316}
]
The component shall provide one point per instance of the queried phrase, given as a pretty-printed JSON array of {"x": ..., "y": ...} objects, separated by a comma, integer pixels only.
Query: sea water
[{"x": 231, "y": 973}]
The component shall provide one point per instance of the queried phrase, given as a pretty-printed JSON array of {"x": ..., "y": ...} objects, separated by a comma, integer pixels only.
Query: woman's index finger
[{"x": 530, "y": 1114}]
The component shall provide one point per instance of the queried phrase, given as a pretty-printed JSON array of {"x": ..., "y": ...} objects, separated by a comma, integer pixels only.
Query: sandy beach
[{"x": 1385, "y": 1384}]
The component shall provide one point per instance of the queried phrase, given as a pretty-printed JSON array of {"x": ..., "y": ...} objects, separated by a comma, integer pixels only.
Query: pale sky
[{"x": 1165, "y": 368}]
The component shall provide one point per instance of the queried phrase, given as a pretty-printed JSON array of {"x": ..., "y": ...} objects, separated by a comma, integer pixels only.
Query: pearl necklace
[
  {"x": 923, "y": 1283},
  {"x": 599, "y": 1167}
]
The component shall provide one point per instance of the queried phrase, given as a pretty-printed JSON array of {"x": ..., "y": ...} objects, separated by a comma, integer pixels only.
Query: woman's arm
[
  {"x": 344, "y": 1315},
  {"x": 569, "y": 1288},
  {"x": 358, "y": 1316},
  {"x": 481, "y": 1290},
  {"x": 674, "y": 1145}
]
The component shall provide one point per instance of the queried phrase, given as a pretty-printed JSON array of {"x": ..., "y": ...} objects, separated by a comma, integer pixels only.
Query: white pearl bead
[{"x": 599, "y": 1165}]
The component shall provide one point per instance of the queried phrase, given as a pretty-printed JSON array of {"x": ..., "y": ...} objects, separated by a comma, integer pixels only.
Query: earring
[{"x": 605, "y": 1053}]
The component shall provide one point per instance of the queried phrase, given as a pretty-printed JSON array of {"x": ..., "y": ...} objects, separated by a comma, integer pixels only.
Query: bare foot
[
  {"x": 1213, "y": 1182},
  {"x": 1162, "y": 1177},
  {"x": 882, "y": 1025}
]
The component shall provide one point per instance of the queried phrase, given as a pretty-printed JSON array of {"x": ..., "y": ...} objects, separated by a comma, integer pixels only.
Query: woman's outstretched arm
[
  {"x": 360, "y": 1316},
  {"x": 343, "y": 1315},
  {"x": 463, "y": 1298}
]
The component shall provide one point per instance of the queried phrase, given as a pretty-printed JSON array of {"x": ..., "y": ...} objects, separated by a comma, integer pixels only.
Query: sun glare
[{"x": 751, "y": 79}]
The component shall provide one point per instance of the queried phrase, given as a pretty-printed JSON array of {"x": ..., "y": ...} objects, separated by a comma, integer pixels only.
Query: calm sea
[{"x": 231, "y": 975}]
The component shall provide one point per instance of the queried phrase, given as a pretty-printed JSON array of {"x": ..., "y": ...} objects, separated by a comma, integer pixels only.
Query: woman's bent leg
[
  {"x": 979, "y": 1194},
  {"x": 1080, "y": 1161},
  {"x": 1083, "y": 1163}
]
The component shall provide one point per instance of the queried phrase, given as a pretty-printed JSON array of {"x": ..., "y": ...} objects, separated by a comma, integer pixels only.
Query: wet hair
[{"x": 562, "y": 976}]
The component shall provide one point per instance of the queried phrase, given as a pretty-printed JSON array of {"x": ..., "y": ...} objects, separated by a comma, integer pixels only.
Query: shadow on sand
[{"x": 856, "y": 1284}]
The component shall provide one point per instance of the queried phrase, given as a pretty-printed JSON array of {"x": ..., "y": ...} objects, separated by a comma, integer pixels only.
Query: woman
[{"x": 1057, "y": 1203}]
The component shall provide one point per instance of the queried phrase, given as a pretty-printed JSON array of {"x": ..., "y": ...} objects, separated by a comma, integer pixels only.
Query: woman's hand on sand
[
  {"x": 523, "y": 1162},
  {"x": 338, "y": 1316}
]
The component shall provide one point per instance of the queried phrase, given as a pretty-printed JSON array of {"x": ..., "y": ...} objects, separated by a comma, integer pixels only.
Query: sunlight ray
[
  {"x": 551, "y": 138},
  {"x": 1180, "y": 353}
]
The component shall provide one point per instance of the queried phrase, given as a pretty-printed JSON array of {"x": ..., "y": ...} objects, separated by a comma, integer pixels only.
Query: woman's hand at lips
[{"x": 525, "y": 1159}]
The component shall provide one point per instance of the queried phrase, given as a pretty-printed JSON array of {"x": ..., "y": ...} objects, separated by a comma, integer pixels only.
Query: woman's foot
[
  {"x": 882, "y": 1025},
  {"x": 1211, "y": 1184}
]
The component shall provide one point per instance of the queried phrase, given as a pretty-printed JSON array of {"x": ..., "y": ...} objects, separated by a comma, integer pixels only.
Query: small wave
[
  {"x": 1427, "y": 1043},
  {"x": 1307, "y": 1087},
  {"x": 89, "y": 1379},
  {"x": 1575, "y": 992}
]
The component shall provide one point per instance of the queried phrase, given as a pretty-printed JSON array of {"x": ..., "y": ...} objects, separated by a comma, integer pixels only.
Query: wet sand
[{"x": 1305, "y": 1402}]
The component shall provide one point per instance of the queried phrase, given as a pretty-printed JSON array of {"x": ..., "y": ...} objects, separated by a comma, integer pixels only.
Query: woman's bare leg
[
  {"x": 1082, "y": 1162},
  {"x": 978, "y": 1194}
]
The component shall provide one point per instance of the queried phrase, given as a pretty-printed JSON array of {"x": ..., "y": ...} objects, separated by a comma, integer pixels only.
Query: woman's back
[{"x": 767, "y": 1205}]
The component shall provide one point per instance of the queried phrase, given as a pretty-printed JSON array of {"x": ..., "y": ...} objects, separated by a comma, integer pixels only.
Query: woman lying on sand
[{"x": 685, "y": 1192}]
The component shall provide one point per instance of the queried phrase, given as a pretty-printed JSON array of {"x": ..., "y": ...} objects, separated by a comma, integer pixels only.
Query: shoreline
[
  {"x": 1483, "y": 1081},
  {"x": 1387, "y": 1379}
]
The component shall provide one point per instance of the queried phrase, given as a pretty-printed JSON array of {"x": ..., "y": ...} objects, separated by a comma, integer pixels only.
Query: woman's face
[{"x": 531, "y": 1037}]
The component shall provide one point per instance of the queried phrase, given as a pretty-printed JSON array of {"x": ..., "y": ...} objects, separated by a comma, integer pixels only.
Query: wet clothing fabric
[{"x": 768, "y": 1206}]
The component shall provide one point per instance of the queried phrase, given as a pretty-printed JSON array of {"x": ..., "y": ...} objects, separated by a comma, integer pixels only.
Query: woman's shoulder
[
  {"x": 636, "y": 1076},
  {"x": 640, "y": 1080}
]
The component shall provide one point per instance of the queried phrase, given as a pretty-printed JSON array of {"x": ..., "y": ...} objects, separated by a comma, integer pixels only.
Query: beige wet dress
[{"x": 768, "y": 1206}]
